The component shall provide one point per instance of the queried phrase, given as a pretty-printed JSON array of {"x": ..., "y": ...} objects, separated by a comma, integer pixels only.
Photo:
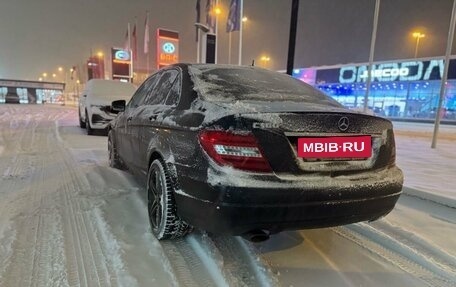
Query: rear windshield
[{"x": 232, "y": 83}]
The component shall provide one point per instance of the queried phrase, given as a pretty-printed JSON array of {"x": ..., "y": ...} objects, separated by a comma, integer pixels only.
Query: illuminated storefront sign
[
  {"x": 167, "y": 48},
  {"x": 121, "y": 56},
  {"x": 388, "y": 72},
  {"x": 121, "y": 64}
]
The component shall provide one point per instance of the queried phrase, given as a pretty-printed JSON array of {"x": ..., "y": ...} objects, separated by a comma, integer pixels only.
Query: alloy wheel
[{"x": 155, "y": 199}]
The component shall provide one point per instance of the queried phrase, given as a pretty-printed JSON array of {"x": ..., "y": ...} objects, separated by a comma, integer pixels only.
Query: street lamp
[
  {"x": 265, "y": 60},
  {"x": 417, "y": 36},
  {"x": 245, "y": 19}
]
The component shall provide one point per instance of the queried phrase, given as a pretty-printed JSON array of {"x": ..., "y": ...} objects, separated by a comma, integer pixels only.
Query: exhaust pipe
[{"x": 257, "y": 235}]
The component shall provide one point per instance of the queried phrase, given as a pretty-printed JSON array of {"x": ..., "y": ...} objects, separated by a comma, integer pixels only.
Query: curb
[{"x": 439, "y": 199}]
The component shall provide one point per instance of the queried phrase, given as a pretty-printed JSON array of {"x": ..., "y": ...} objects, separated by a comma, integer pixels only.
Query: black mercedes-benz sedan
[{"x": 247, "y": 151}]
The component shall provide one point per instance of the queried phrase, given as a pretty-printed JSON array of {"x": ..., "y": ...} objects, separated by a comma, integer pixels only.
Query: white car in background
[{"x": 95, "y": 102}]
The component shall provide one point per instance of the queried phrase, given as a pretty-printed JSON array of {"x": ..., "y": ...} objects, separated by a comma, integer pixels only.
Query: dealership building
[{"x": 399, "y": 89}]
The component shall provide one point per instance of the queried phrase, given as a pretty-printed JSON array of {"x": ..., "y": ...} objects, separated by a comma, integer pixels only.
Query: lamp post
[
  {"x": 101, "y": 67},
  {"x": 217, "y": 12},
  {"x": 417, "y": 36},
  {"x": 63, "y": 73}
]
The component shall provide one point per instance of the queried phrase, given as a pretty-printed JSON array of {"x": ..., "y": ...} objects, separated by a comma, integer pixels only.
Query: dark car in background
[
  {"x": 12, "y": 98},
  {"x": 246, "y": 151}
]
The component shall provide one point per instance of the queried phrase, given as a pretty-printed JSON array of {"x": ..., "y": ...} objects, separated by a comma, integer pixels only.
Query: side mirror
[{"x": 118, "y": 106}]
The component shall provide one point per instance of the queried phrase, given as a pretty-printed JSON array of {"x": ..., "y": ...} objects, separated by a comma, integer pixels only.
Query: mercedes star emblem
[{"x": 343, "y": 124}]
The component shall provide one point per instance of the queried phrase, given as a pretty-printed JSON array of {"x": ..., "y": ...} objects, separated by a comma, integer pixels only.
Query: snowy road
[{"x": 67, "y": 219}]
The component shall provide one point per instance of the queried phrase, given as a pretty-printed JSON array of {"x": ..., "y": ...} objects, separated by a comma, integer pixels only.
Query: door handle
[{"x": 153, "y": 118}]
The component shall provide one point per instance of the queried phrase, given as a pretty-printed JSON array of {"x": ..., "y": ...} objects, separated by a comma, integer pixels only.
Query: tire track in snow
[
  {"x": 11, "y": 166},
  {"x": 372, "y": 241},
  {"x": 410, "y": 244},
  {"x": 204, "y": 260},
  {"x": 41, "y": 249},
  {"x": 36, "y": 249},
  {"x": 241, "y": 264},
  {"x": 185, "y": 263},
  {"x": 7, "y": 231},
  {"x": 98, "y": 260}
]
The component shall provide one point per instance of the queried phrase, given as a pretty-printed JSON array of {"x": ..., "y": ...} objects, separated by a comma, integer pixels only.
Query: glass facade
[
  {"x": 3, "y": 92},
  {"x": 407, "y": 89},
  {"x": 29, "y": 92}
]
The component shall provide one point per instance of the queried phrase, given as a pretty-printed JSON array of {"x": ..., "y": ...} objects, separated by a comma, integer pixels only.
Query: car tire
[
  {"x": 164, "y": 222},
  {"x": 82, "y": 124},
  {"x": 114, "y": 160},
  {"x": 87, "y": 125}
]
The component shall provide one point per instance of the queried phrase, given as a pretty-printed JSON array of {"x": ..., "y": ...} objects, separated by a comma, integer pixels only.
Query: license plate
[{"x": 335, "y": 147}]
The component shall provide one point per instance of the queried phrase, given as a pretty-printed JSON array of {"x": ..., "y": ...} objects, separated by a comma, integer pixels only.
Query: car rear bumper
[{"x": 289, "y": 204}]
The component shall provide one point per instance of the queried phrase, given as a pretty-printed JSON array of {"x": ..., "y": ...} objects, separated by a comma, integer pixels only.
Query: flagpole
[
  {"x": 229, "y": 48},
  {"x": 371, "y": 56},
  {"x": 135, "y": 45},
  {"x": 444, "y": 76},
  {"x": 147, "y": 45},
  {"x": 216, "y": 33},
  {"x": 131, "y": 54},
  {"x": 198, "y": 47},
  {"x": 240, "y": 31},
  {"x": 198, "y": 35}
]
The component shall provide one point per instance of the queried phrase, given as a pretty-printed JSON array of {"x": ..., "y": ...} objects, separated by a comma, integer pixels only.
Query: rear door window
[
  {"x": 174, "y": 93},
  {"x": 143, "y": 90},
  {"x": 158, "y": 95}
]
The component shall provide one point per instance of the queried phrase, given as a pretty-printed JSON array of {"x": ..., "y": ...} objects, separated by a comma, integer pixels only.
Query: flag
[
  {"x": 234, "y": 17},
  {"x": 210, "y": 17},
  {"x": 198, "y": 16},
  {"x": 127, "y": 40},
  {"x": 135, "y": 44},
  {"x": 146, "y": 35}
]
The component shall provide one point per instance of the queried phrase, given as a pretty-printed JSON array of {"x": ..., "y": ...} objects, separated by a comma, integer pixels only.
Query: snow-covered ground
[
  {"x": 426, "y": 169},
  {"x": 67, "y": 219}
]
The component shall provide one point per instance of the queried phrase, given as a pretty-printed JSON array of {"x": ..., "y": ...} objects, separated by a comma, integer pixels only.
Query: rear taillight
[{"x": 236, "y": 150}]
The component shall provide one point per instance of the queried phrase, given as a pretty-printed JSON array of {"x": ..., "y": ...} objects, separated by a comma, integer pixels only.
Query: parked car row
[{"x": 246, "y": 151}]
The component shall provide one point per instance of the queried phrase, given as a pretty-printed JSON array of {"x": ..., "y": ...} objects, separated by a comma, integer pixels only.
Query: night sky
[{"x": 39, "y": 36}]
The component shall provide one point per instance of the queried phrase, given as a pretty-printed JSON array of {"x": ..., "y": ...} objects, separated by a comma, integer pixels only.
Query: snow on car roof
[{"x": 109, "y": 89}]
